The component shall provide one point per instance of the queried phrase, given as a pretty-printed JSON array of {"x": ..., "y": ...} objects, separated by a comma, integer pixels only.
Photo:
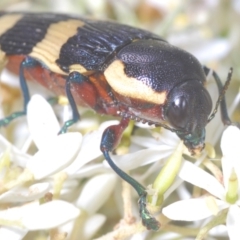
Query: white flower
[
  {"x": 224, "y": 195},
  {"x": 57, "y": 161},
  {"x": 92, "y": 196},
  {"x": 180, "y": 23}
]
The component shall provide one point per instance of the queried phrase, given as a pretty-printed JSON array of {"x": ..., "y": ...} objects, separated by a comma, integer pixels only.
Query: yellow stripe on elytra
[
  {"x": 8, "y": 21},
  {"x": 131, "y": 87},
  {"x": 47, "y": 51}
]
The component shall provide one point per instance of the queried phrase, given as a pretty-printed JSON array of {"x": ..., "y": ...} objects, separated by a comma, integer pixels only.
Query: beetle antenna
[{"x": 221, "y": 99}]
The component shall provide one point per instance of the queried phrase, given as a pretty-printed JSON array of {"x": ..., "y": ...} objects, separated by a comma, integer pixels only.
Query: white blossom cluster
[{"x": 60, "y": 187}]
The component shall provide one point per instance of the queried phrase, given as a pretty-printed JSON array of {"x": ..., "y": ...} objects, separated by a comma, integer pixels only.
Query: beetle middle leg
[
  {"x": 110, "y": 140},
  {"x": 28, "y": 62},
  {"x": 73, "y": 77}
]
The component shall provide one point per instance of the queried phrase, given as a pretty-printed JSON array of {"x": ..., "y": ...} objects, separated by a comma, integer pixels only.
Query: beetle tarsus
[{"x": 148, "y": 221}]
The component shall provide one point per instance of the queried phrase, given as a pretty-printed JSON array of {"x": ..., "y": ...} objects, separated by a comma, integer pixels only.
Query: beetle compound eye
[
  {"x": 177, "y": 112},
  {"x": 188, "y": 107},
  {"x": 180, "y": 103}
]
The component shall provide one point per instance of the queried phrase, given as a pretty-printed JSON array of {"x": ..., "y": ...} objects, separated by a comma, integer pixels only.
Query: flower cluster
[
  {"x": 222, "y": 193},
  {"x": 62, "y": 187},
  {"x": 31, "y": 185}
]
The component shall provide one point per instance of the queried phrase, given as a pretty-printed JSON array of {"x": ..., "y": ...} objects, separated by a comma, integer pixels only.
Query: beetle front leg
[
  {"x": 28, "y": 62},
  {"x": 110, "y": 140}
]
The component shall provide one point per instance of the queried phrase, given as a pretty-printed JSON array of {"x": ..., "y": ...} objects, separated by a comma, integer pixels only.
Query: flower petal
[
  {"x": 141, "y": 158},
  {"x": 96, "y": 191},
  {"x": 50, "y": 215},
  {"x": 90, "y": 150},
  {"x": 198, "y": 177},
  {"x": 56, "y": 156},
  {"x": 231, "y": 153},
  {"x": 230, "y": 142},
  {"x": 89, "y": 171},
  {"x": 18, "y": 157},
  {"x": 12, "y": 233},
  {"x": 233, "y": 222},
  {"x": 35, "y": 191},
  {"x": 15, "y": 213},
  {"x": 92, "y": 225},
  {"x": 165, "y": 137},
  {"x": 190, "y": 210},
  {"x": 42, "y": 121},
  {"x": 227, "y": 168}
]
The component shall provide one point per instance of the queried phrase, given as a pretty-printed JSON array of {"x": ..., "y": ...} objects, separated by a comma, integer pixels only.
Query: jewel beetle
[{"x": 114, "y": 69}]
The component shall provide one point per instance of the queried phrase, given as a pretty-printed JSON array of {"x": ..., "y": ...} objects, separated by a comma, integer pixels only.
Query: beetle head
[{"x": 187, "y": 109}]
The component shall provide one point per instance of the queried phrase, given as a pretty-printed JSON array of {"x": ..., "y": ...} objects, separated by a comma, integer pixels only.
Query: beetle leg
[
  {"x": 73, "y": 77},
  {"x": 110, "y": 140},
  {"x": 221, "y": 99},
  {"x": 28, "y": 62}
]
